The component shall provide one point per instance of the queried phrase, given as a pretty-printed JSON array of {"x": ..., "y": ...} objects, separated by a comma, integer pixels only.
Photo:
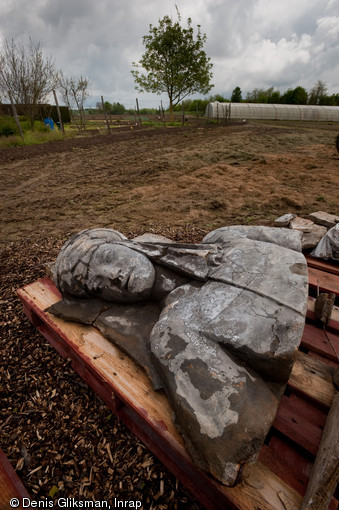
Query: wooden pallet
[{"x": 279, "y": 479}]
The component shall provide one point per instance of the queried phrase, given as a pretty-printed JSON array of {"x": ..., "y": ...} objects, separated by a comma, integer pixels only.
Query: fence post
[
  {"x": 137, "y": 103},
  {"x": 105, "y": 114},
  {"x": 16, "y": 116},
  {"x": 59, "y": 113},
  {"x": 163, "y": 112}
]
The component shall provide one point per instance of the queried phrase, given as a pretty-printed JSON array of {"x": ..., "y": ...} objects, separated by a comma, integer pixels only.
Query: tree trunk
[{"x": 171, "y": 111}]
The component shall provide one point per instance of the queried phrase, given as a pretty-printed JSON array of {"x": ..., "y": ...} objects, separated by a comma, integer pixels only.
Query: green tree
[
  {"x": 318, "y": 93},
  {"x": 334, "y": 98},
  {"x": 174, "y": 61},
  {"x": 218, "y": 97},
  {"x": 236, "y": 95},
  {"x": 275, "y": 97},
  {"x": 295, "y": 96},
  {"x": 263, "y": 96},
  {"x": 118, "y": 109}
]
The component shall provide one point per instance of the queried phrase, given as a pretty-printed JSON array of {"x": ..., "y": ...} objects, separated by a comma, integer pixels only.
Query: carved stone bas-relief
[{"x": 215, "y": 325}]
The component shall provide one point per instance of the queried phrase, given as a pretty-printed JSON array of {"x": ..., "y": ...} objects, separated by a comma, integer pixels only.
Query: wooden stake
[
  {"x": 59, "y": 113},
  {"x": 162, "y": 112},
  {"x": 105, "y": 113},
  {"x": 137, "y": 102}
]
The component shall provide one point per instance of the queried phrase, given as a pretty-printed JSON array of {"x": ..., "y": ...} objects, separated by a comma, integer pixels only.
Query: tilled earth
[{"x": 61, "y": 439}]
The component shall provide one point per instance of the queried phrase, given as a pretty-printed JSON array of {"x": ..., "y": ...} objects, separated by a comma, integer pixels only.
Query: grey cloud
[{"x": 251, "y": 44}]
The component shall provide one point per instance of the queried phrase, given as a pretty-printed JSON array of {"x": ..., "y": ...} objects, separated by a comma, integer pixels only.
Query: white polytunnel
[{"x": 262, "y": 111}]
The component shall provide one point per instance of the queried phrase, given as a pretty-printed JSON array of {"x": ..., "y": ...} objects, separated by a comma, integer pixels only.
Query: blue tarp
[{"x": 49, "y": 122}]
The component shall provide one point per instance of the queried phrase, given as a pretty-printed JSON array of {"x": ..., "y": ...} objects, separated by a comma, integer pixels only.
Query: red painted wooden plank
[
  {"x": 315, "y": 340},
  {"x": 327, "y": 282},
  {"x": 321, "y": 358},
  {"x": 284, "y": 460},
  {"x": 300, "y": 421},
  {"x": 323, "y": 265}
]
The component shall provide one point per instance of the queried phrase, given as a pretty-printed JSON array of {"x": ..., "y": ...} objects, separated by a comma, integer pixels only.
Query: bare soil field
[
  {"x": 137, "y": 180},
  {"x": 179, "y": 182}
]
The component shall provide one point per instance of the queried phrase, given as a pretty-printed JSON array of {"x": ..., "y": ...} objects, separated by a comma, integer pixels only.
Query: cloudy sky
[{"x": 251, "y": 43}]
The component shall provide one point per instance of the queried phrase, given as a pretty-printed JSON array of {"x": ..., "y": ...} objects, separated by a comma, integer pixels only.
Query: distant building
[{"x": 262, "y": 111}]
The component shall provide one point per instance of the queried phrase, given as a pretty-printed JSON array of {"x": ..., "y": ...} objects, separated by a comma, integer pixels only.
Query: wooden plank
[
  {"x": 321, "y": 358},
  {"x": 261, "y": 488},
  {"x": 312, "y": 378},
  {"x": 146, "y": 412},
  {"x": 291, "y": 464},
  {"x": 327, "y": 282},
  {"x": 10, "y": 484},
  {"x": 315, "y": 340},
  {"x": 323, "y": 265},
  {"x": 300, "y": 421}
]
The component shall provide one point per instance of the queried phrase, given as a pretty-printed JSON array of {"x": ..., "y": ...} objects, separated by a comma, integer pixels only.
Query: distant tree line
[
  {"x": 299, "y": 95},
  {"x": 316, "y": 96},
  {"x": 119, "y": 109}
]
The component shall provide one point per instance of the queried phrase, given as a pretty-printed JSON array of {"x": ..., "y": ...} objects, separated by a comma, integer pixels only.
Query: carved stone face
[{"x": 118, "y": 273}]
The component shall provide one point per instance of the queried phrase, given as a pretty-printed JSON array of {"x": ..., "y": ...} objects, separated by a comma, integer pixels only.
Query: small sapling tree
[
  {"x": 174, "y": 61},
  {"x": 74, "y": 91}
]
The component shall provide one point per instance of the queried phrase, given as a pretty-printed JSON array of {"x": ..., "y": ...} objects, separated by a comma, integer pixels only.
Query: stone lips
[{"x": 219, "y": 334}]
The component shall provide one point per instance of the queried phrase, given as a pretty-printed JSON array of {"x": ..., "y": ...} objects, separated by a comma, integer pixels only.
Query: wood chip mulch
[{"x": 61, "y": 439}]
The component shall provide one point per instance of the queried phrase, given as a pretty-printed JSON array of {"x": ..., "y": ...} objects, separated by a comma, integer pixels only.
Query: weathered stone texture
[
  {"x": 216, "y": 324},
  {"x": 311, "y": 239},
  {"x": 301, "y": 224},
  {"x": 285, "y": 220},
  {"x": 325, "y": 219},
  {"x": 129, "y": 327}
]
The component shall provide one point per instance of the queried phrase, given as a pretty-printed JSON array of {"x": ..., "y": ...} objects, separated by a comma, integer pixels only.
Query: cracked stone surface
[
  {"x": 215, "y": 324},
  {"x": 280, "y": 236}
]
